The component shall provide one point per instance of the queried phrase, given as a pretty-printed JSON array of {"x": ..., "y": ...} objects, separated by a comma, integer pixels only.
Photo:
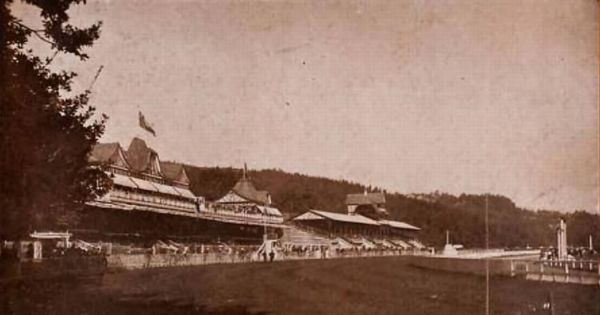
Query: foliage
[
  {"x": 45, "y": 135},
  {"x": 464, "y": 215}
]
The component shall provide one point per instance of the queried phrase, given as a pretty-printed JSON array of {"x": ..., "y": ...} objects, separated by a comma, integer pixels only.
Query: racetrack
[{"x": 384, "y": 285}]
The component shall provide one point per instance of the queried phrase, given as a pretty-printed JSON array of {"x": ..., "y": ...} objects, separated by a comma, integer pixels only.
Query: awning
[
  {"x": 122, "y": 180},
  {"x": 401, "y": 243},
  {"x": 388, "y": 243},
  {"x": 367, "y": 243},
  {"x": 50, "y": 235},
  {"x": 270, "y": 211},
  {"x": 340, "y": 217},
  {"x": 144, "y": 184},
  {"x": 185, "y": 192},
  {"x": 342, "y": 243},
  {"x": 170, "y": 190},
  {"x": 400, "y": 225}
]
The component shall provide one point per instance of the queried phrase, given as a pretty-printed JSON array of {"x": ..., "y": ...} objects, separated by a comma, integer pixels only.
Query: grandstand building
[
  {"x": 244, "y": 204},
  {"x": 139, "y": 183},
  {"x": 150, "y": 199},
  {"x": 364, "y": 226}
]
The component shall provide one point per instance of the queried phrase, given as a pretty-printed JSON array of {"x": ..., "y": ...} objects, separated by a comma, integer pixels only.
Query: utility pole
[{"x": 487, "y": 261}]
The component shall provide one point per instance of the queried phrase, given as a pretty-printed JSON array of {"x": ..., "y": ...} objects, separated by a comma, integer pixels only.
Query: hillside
[{"x": 464, "y": 215}]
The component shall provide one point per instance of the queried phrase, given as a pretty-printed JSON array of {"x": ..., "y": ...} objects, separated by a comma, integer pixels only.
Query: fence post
[
  {"x": 566, "y": 272},
  {"x": 512, "y": 268}
]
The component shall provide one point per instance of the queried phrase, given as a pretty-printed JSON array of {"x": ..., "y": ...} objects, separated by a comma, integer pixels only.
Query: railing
[
  {"x": 567, "y": 271},
  {"x": 142, "y": 261},
  {"x": 552, "y": 266},
  {"x": 239, "y": 217},
  {"x": 186, "y": 207}
]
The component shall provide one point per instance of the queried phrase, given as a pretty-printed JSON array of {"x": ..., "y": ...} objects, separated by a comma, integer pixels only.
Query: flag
[{"x": 145, "y": 125}]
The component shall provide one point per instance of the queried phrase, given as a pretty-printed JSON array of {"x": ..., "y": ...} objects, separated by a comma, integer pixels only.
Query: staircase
[{"x": 294, "y": 235}]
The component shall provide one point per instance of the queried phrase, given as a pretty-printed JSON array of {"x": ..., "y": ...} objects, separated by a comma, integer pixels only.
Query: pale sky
[{"x": 412, "y": 96}]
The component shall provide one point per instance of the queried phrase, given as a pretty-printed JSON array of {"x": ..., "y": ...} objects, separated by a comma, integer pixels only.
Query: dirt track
[{"x": 345, "y": 286}]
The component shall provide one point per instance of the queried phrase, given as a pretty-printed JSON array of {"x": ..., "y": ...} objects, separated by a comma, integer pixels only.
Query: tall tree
[{"x": 46, "y": 130}]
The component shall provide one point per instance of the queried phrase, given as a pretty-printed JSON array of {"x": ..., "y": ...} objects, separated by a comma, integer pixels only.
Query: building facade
[
  {"x": 151, "y": 199},
  {"x": 245, "y": 204},
  {"x": 365, "y": 224},
  {"x": 139, "y": 183}
]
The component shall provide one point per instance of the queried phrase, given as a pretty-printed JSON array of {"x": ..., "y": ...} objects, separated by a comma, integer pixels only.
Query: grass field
[{"x": 343, "y": 286}]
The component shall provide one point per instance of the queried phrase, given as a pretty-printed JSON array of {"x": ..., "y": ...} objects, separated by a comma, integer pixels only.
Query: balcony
[{"x": 240, "y": 217}]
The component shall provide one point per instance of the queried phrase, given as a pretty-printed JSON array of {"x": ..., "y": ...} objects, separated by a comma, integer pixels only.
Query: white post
[
  {"x": 565, "y": 246},
  {"x": 561, "y": 236},
  {"x": 512, "y": 268}
]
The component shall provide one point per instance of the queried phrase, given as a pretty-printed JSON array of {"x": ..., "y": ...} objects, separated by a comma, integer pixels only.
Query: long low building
[
  {"x": 152, "y": 198},
  {"x": 366, "y": 225},
  {"x": 334, "y": 223}
]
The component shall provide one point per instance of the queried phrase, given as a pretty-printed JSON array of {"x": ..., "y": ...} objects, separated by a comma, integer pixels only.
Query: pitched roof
[
  {"x": 334, "y": 216},
  {"x": 103, "y": 152},
  {"x": 365, "y": 199},
  {"x": 245, "y": 188},
  {"x": 172, "y": 170},
  {"x": 139, "y": 154},
  {"x": 399, "y": 225}
]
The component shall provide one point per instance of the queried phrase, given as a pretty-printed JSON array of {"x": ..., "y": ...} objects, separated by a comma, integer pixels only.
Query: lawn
[{"x": 387, "y": 285}]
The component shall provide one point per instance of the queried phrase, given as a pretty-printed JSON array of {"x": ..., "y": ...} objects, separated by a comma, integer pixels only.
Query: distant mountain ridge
[{"x": 510, "y": 226}]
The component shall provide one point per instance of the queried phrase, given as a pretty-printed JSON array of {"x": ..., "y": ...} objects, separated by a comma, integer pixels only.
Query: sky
[{"x": 411, "y": 96}]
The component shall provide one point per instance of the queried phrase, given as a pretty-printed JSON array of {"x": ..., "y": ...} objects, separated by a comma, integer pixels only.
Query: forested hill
[{"x": 463, "y": 215}]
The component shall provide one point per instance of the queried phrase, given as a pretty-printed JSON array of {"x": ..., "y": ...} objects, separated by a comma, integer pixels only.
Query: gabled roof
[
  {"x": 110, "y": 153},
  {"x": 334, "y": 216},
  {"x": 365, "y": 199},
  {"x": 245, "y": 188},
  {"x": 174, "y": 172},
  {"x": 102, "y": 152},
  {"x": 139, "y": 155}
]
